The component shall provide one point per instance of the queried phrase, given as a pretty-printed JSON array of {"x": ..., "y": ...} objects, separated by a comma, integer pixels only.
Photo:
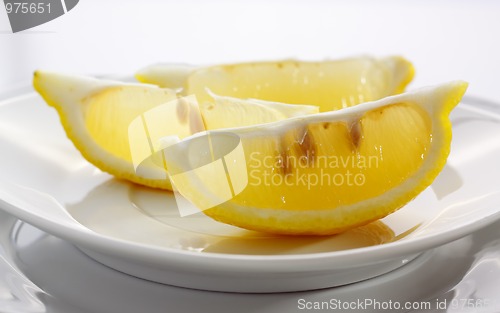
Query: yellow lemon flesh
[
  {"x": 328, "y": 172},
  {"x": 331, "y": 85},
  {"x": 97, "y": 114}
]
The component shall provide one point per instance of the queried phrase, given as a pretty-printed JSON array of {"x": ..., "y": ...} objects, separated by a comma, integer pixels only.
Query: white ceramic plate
[
  {"x": 136, "y": 230},
  {"x": 43, "y": 274}
]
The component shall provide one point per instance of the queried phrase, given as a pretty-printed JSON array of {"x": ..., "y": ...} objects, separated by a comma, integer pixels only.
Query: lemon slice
[
  {"x": 323, "y": 173},
  {"x": 329, "y": 84},
  {"x": 97, "y": 116}
]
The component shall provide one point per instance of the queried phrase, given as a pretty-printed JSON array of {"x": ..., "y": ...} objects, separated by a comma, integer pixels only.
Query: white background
[{"x": 445, "y": 40}]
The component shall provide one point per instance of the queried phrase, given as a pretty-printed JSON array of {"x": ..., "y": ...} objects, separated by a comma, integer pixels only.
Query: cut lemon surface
[
  {"x": 331, "y": 85},
  {"x": 97, "y": 114},
  {"x": 323, "y": 173}
]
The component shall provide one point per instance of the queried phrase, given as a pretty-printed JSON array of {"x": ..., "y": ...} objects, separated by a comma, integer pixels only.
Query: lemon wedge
[
  {"x": 323, "y": 173},
  {"x": 331, "y": 85},
  {"x": 97, "y": 115}
]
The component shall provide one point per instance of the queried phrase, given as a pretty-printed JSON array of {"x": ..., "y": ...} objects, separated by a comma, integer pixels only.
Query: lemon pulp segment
[
  {"x": 96, "y": 114},
  {"x": 118, "y": 107}
]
